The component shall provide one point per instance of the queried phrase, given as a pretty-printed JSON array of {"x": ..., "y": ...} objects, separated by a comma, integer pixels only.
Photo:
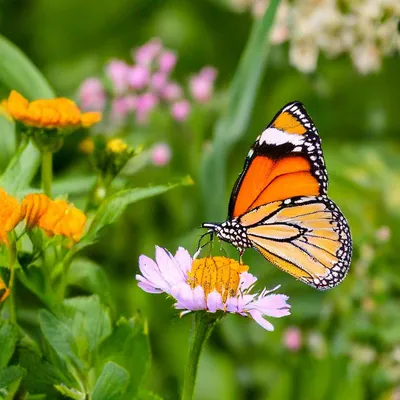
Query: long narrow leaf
[
  {"x": 18, "y": 72},
  {"x": 231, "y": 126}
]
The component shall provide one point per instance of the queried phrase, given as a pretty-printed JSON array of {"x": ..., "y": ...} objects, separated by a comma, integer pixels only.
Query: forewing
[{"x": 286, "y": 161}]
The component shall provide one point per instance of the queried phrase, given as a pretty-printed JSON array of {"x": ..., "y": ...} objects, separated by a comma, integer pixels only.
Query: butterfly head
[{"x": 230, "y": 231}]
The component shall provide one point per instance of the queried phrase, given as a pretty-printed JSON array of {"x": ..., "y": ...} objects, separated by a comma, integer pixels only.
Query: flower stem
[
  {"x": 11, "y": 264},
  {"x": 203, "y": 324},
  {"x": 47, "y": 171}
]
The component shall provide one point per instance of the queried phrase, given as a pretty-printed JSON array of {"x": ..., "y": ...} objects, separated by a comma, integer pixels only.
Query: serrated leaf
[
  {"x": 21, "y": 170},
  {"x": 88, "y": 275},
  {"x": 60, "y": 337},
  {"x": 8, "y": 341},
  {"x": 70, "y": 392},
  {"x": 231, "y": 126},
  {"x": 111, "y": 383},
  {"x": 10, "y": 375},
  {"x": 18, "y": 72}
]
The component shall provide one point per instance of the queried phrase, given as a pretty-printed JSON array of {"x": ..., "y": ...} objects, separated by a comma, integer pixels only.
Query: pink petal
[
  {"x": 180, "y": 110},
  {"x": 198, "y": 298},
  {"x": 149, "y": 288},
  {"x": 152, "y": 273},
  {"x": 257, "y": 316},
  {"x": 246, "y": 281},
  {"x": 161, "y": 154},
  {"x": 167, "y": 61},
  {"x": 184, "y": 260},
  {"x": 168, "y": 267},
  {"x": 214, "y": 302},
  {"x": 273, "y": 305}
]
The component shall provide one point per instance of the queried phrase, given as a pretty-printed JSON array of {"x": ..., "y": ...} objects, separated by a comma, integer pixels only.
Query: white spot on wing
[{"x": 277, "y": 137}]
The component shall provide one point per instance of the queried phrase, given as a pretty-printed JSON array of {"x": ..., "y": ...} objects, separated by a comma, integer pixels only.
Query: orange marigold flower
[
  {"x": 55, "y": 217},
  {"x": 10, "y": 215},
  {"x": 49, "y": 113},
  {"x": 4, "y": 291}
]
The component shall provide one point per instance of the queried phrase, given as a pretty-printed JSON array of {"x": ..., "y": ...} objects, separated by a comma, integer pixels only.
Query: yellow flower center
[
  {"x": 219, "y": 273},
  {"x": 116, "y": 146}
]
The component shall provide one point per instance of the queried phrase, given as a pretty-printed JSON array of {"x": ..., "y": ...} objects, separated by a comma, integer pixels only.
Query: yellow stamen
[{"x": 219, "y": 273}]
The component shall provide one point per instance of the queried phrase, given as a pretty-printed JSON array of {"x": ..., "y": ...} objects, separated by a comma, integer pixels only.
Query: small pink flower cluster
[{"x": 139, "y": 88}]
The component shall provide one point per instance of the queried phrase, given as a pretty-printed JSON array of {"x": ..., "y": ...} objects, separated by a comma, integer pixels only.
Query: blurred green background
[{"x": 351, "y": 335}]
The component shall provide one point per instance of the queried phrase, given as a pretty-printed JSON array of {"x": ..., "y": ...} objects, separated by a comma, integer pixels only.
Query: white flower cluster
[{"x": 365, "y": 29}]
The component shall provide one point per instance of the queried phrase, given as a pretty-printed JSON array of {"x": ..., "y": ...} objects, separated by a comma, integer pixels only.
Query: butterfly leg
[{"x": 241, "y": 252}]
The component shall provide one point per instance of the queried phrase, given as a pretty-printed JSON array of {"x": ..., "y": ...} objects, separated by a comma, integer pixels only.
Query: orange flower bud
[
  {"x": 49, "y": 113},
  {"x": 10, "y": 215},
  {"x": 55, "y": 217}
]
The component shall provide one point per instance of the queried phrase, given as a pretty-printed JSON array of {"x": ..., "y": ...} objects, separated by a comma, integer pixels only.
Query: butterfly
[{"x": 280, "y": 207}]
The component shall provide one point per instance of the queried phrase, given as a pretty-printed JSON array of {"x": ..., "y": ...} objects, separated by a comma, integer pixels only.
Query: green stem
[
  {"x": 47, "y": 171},
  {"x": 11, "y": 263},
  {"x": 203, "y": 324}
]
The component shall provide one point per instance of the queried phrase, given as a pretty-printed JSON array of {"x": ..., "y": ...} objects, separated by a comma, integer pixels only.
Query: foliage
[{"x": 76, "y": 326}]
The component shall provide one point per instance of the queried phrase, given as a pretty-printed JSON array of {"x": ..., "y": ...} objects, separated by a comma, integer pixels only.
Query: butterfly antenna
[{"x": 200, "y": 246}]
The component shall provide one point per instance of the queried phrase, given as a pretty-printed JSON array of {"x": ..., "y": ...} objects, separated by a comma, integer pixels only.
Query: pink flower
[
  {"x": 144, "y": 104},
  {"x": 201, "y": 86},
  {"x": 209, "y": 73},
  {"x": 292, "y": 338},
  {"x": 167, "y": 61},
  {"x": 172, "y": 91},
  {"x": 92, "y": 95},
  {"x": 160, "y": 154},
  {"x": 117, "y": 72},
  {"x": 159, "y": 80},
  {"x": 138, "y": 76},
  {"x": 180, "y": 110},
  {"x": 175, "y": 276},
  {"x": 119, "y": 109},
  {"x": 145, "y": 54}
]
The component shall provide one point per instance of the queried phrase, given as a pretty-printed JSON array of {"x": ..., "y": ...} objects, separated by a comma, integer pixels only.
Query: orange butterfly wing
[
  {"x": 285, "y": 161},
  {"x": 281, "y": 200}
]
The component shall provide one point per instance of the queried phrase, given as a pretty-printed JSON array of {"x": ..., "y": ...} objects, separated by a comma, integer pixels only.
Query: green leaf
[
  {"x": 129, "y": 347},
  {"x": 96, "y": 319},
  {"x": 231, "y": 127},
  {"x": 17, "y": 72},
  {"x": 114, "y": 206},
  {"x": 111, "y": 383},
  {"x": 60, "y": 337},
  {"x": 147, "y": 395},
  {"x": 41, "y": 375},
  {"x": 70, "y": 392},
  {"x": 73, "y": 185},
  {"x": 8, "y": 341},
  {"x": 88, "y": 275},
  {"x": 21, "y": 170},
  {"x": 7, "y": 141},
  {"x": 10, "y": 375}
]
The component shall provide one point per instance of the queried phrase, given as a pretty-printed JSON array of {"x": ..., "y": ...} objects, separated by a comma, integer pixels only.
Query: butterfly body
[{"x": 279, "y": 204}]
